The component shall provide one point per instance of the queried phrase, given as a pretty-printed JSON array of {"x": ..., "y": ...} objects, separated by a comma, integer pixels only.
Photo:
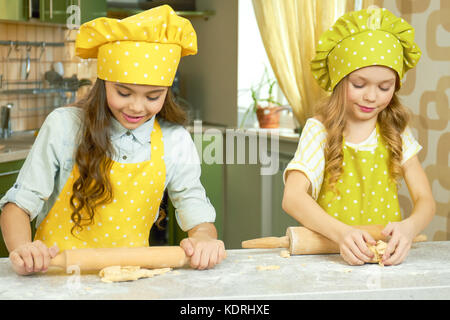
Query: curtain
[{"x": 290, "y": 30}]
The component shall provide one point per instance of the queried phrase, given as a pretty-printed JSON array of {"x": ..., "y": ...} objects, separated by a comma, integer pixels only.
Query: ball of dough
[{"x": 378, "y": 251}]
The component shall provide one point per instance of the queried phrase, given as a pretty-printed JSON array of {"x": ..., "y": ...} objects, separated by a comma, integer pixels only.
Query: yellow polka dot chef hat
[
  {"x": 141, "y": 49},
  {"x": 358, "y": 39}
]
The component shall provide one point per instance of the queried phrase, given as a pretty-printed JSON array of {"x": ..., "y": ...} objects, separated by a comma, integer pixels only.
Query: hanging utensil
[
  {"x": 28, "y": 63},
  {"x": 42, "y": 51},
  {"x": 23, "y": 66}
]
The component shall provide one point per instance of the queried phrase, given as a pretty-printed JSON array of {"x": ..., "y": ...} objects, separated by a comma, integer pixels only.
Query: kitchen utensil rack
[
  {"x": 21, "y": 86},
  {"x": 31, "y": 43},
  {"x": 28, "y": 45}
]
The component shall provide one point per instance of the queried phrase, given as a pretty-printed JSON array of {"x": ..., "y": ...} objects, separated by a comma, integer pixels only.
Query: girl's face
[
  {"x": 369, "y": 91},
  {"x": 134, "y": 104}
]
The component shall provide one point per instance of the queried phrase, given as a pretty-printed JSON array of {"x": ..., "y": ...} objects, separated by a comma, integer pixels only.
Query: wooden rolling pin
[
  {"x": 145, "y": 257},
  {"x": 301, "y": 240}
]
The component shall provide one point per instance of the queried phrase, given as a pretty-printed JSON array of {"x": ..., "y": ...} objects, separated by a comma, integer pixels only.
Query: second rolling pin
[{"x": 301, "y": 240}]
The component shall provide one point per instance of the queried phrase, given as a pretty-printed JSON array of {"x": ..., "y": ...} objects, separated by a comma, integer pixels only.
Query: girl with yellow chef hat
[
  {"x": 97, "y": 171},
  {"x": 353, "y": 152}
]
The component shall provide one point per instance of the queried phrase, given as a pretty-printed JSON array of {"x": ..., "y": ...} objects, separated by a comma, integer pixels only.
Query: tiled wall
[
  {"x": 30, "y": 110},
  {"x": 426, "y": 92}
]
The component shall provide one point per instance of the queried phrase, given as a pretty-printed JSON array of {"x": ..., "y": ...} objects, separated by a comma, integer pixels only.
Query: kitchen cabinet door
[
  {"x": 212, "y": 179},
  {"x": 243, "y": 220},
  {"x": 56, "y": 11},
  {"x": 8, "y": 175},
  {"x": 280, "y": 220},
  {"x": 91, "y": 9},
  {"x": 14, "y": 10},
  {"x": 253, "y": 199},
  {"x": 53, "y": 11}
]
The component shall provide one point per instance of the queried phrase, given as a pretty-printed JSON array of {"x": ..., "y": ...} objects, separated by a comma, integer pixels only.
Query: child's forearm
[
  {"x": 203, "y": 230},
  {"x": 422, "y": 214},
  {"x": 306, "y": 211},
  {"x": 302, "y": 207},
  {"x": 15, "y": 225}
]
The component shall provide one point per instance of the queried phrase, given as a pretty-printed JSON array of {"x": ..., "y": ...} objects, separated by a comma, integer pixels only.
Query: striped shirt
[{"x": 310, "y": 155}]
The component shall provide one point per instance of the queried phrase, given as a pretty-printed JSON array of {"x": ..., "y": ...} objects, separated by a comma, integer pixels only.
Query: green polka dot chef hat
[
  {"x": 358, "y": 39},
  {"x": 141, "y": 49}
]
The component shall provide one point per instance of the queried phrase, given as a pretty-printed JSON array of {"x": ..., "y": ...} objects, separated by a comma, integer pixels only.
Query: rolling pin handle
[{"x": 266, "y": 243}]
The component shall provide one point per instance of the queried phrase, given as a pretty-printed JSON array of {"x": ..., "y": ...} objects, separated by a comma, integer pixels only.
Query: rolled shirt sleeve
[{"x": 35, "y": 183}]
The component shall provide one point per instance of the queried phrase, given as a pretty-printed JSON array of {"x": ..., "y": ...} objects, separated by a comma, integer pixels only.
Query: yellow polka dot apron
[
  {"x": 366, "y": 194},
  {"x": 125, "y": 221}
]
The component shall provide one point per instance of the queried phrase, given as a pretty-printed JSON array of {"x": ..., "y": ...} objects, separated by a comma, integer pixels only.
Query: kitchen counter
[
  {"x": 424, "y": 275},
  {"x": 284, "y": 134},
  {"x": 20, "y": 143},
  {"x": 17, "y": 146}
]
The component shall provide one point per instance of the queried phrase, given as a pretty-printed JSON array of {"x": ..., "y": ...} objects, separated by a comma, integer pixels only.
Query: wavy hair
[
  {"x": 95, "y": 151},
  {"x": 392, "y": 122}
]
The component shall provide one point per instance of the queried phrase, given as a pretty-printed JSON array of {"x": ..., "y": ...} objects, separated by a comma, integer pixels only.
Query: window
[{"x": 252, "y": 62}]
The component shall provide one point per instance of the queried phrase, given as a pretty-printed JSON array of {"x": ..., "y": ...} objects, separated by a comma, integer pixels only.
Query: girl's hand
[
  {"x": 397, "y": 249},
  {"x": 205, "y": 253},
  {"x": 32, "y": 257},
  {"x": 353, "y": 247}
]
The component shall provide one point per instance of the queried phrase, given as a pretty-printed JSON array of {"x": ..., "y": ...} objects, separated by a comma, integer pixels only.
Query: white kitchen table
[{"x": 425, "y": 274}]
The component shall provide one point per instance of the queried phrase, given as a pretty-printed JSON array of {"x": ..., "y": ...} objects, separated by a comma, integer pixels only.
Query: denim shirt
[{"x": 51, "y": 159}]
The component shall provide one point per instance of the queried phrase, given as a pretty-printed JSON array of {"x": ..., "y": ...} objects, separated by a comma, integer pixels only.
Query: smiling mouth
[
  {"x": 365, "y": 109},
  {"x": 131, "y": 118}
]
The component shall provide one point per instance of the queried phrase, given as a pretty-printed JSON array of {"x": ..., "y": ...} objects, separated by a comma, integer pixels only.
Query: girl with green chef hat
[
  {"x": 354, "y": 151},
  {"x": 96, "y": 174}
]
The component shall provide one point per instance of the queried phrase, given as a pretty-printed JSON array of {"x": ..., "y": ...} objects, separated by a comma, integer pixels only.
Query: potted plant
[{"x": 266, "y": 108}]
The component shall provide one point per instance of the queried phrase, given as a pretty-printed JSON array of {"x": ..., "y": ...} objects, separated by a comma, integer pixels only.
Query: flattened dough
[
  {"x": 285, "y": 254},
  {"x": 264, "y": 268},
  {"x": 128, "y": 273},
  {"x": 378, "y": 251}
]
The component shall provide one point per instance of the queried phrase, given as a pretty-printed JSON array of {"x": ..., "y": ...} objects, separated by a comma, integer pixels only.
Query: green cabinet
[
  {"x": 14, "y": 10},
  {"x": 280, "y": 220},
  {"x": 8, "y": 176},
  {"x": 212, "y": 179},
  {"x": 91, "y": 9},
  {"x": 253, "y": 197},
  {"x": 52, "y": 11},
  {"x": 58, "y": 11}
]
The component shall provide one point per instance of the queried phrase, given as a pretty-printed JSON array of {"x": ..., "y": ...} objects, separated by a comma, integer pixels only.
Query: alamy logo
[
  {"x": 234, "y": 146},
  {"x": 74, "y": 18}
]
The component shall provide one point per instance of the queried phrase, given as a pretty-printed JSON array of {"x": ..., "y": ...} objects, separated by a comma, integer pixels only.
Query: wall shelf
[
  {"x": 31, "y": 43},
  {"x": 37, "y": 91},
  {"x": 34, "y": 22}
]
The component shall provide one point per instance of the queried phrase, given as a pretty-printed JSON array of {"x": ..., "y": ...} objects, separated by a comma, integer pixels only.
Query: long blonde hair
[
  {"x": 392, "y": 122},
  {"x": 94, "y": 153}
]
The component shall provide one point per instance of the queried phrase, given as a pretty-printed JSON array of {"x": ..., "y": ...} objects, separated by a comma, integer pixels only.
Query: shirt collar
[{"x": 141, "y": 133}]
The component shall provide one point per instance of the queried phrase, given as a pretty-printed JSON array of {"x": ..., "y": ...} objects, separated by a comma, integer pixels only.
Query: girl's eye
[
  {"x": 356, "y": 86},
  {"x": 385, "y": 89},
  {"x": 123, "y": 94},
  {"x": 152, "y": 99}
]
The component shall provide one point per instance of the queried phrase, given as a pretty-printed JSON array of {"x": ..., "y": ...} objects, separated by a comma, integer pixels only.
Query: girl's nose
[
  {"x": 370, "y": 94},
  {"x": 136, "y": 106}
]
